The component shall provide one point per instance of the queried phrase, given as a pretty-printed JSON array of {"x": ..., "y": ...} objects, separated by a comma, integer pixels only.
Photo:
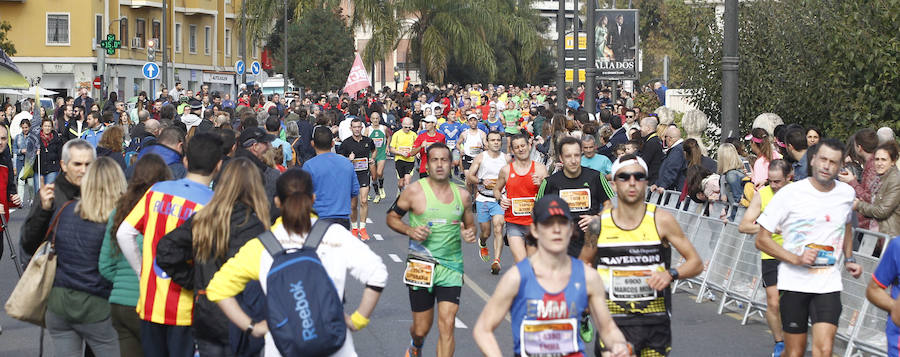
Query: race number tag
[
  {"x": 361, "y": 164},
  {"x": 378, "y": 142},
  {"x": 630, "y": 284},
  {"x": 404, "y": 150},
  {"x": 451, "y": 144},
  {"x": 522, "y": 206},
  {"x": 825, "y": 258},
  {"x": 475, "y": 150},
  {"x": 419, "y": 273},
  {"x": 548, "y": 337},
  {"x": 579, "y": 199}
]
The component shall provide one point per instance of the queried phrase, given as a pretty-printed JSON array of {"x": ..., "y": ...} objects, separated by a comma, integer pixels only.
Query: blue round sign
[
  {"x": 239, "y": 67},
  {"x": 150, "y": 70}
]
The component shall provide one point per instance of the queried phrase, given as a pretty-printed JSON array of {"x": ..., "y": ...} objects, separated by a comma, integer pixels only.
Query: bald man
[
  {"x": 671, "y": 172},
  {"x": 652, "y": 149}
]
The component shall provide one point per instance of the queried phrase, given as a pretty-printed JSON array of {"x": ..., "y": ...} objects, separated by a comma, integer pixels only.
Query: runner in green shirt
[{"x": 380, "y": 134}]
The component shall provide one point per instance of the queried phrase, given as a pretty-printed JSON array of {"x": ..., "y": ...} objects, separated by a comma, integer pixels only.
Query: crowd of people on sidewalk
[{"x": 194, "y": 223}]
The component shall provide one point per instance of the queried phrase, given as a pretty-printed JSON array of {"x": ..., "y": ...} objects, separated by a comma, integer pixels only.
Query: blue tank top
[{"x": 547, "y": 323}]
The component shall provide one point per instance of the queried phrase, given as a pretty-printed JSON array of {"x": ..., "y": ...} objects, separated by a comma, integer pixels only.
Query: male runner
[
  {"x": 426, "y": 139},
  {"x": 451, "y": 130},
  {"x": 543, "y": 323},
  {"x": 780, "y": 174},
  {"x": 521, "y": 180},
  {"x": 404, "y": 158},
  {"x": 813, "y": 216},
  {"x": 483, "y": 173},
  {"x": 471, "y": 143},
  {"x": 361, "y": 152},
  {"x": 633, "y": 260},
  {"x": 435, "y": 263},
  {"x": 380, "y": 135}
]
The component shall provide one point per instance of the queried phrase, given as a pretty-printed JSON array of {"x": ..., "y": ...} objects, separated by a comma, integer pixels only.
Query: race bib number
[
  {"x": 825, "y": 258},
  {"x": 451, "y": 144},
  {"x": 404, "y": 150},
  {"x": 579, "y": 199},
  {"x": 361, "y": 164},
  {"x": 475, "y": 150},
  {"x": 379, "y": 142},
  {"x": 522, "y": 206},
  {"x": 419, "y": 273},
  {"x": 630, "y": 284},
  {"x": 548, "y": 337}
]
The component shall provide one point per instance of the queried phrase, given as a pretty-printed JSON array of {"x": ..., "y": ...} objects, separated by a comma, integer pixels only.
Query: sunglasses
[{"x": 627, "y": 176}]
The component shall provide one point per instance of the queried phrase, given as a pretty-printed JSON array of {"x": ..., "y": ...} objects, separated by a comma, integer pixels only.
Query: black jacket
[
  {"x": 653, "y": 155},
  {"x": 38, "y": 219},
  {"x": 115, "y": 155},
  {"x": 50, "y": 153},
  {"x": 175, "y": 255},
  {"x": 269, "y": 175}
]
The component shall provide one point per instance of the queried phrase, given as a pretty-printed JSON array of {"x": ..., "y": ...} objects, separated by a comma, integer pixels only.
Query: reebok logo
[{"x": 302, "y": 308}]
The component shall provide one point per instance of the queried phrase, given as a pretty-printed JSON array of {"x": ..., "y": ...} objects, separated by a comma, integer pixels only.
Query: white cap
[
  {"x": 430, "y": 119},
  {"x": 616, "y": 166}
]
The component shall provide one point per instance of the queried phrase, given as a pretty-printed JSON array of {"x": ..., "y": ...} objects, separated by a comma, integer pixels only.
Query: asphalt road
[{"x": 696, "y": 328}]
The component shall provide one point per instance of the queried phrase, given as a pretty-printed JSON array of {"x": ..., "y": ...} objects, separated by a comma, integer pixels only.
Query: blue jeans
[{"x": 735, "y": 190}]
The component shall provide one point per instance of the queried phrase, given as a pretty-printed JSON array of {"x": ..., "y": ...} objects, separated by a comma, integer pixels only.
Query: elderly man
[
  {"x": 652, "y": 151},
  {"x": 671, "y": 173}
]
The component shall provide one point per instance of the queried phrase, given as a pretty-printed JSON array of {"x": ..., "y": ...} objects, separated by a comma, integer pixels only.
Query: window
[
  {"x": 177, "y": 37},
  {"x": 206, "y": 32},
  {"x": 192, "y": 40},
  {"x": 154, "y": 30},
  {"x": 57, "y": 29},
  {"x": 140, "y": 31},
  {"x": 98, "y": 29},
  {"x": 123, "y": 32},
  {"x": 227, "y": 42}
]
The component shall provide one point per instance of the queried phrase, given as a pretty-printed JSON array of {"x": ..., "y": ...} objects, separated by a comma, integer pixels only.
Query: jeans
[
  {"x": 128, "y": 325},
  {"x": 69, "y": 337},
  {"x": 166, "y": 340},
  {"x": 208, "y": 348},
  {"x": 23, "y": 187},
  {"x": 735, "y": 190}
]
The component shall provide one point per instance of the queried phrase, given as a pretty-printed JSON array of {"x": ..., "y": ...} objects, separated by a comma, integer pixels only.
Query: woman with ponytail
[{"x": 340, "y": 252}]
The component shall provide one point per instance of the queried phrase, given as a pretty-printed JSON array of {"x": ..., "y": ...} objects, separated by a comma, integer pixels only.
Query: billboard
[{"x": 616, "y": 39}]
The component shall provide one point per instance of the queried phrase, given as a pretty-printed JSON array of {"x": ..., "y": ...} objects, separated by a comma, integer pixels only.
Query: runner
[
  {"x": 493, "y": 123},
  {"x": 633, "y": 260},
  {"x": 812, "y": 215},
  {"x": 511, "y": 118},
  {"x": 404, "y": 158},
  {"x": 380, "y": 135},
  {"x": 435, "y": 264},
  {"x": 484, "y": 172},
  {"x": 361, "y": 152},
  {"x": 521, "y": 180},
  {"x": 471, "y": 143},
  {"x": 779, "y": 175},
  {"x": 451, "y": 130},
  {"x": 425, "y": 139},
  {"x": 543, "y": 322}
]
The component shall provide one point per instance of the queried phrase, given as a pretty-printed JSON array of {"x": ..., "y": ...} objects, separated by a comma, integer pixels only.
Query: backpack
[
  {"x": 295, "y": 158},
  {"x": 304, "y": 311}
]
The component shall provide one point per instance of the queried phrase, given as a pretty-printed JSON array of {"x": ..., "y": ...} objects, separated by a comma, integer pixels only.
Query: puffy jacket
[
  {"x": 77, "y": 254},
  {"x": 885, "y": 206},
  {"x": 50, "y": 153},
  {"x": 115, "y": 155},
  {"x": 171, "y": 157},
  {"x": 114, "y": 267},
  {"x": 174, "y": 255},
  {"x": 38, "y": 219}
]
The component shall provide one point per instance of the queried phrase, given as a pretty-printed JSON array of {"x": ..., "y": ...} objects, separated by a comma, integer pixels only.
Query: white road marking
[
  {"x": 378, "y": 236},
  {"x": 395, "y": 258},
  {"x": 369, "y": 221},
  {"x": 460, "y": 324}
]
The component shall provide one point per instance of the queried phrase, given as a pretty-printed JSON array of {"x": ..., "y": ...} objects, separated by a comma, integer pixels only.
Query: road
[{"x": 696, "y": 328}]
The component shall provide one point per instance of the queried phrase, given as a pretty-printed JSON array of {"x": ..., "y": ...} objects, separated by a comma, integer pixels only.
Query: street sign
[
  {"x": 255, "y": 68},
  {"x": 150, "y": 70},
  {"x": 110, "y": 44},
  {"x": 239, "y": 67},
  {"x": 97, "y": 82}
]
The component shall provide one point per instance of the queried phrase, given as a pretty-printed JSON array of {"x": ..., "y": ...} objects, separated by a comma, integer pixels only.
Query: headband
[{"x": 620, "y": 164}]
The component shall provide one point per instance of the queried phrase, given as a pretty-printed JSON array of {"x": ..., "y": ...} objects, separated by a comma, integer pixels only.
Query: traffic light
[
  {"x": 396, "y": 74},
  {"x": 151, "y": 49}
]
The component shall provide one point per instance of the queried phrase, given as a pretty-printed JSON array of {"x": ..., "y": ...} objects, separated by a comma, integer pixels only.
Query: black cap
[
  {"x": 195, "y": 104},
  {"x": 550, "y": 206},
  {"x": 254, "y": 135}
]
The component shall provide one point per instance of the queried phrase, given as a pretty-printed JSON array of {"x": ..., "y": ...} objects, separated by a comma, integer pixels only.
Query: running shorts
[
  {"x": 467, "y": 161},
  {"x": 797, "y": 308},
  {"x": 423, "y": 300},
  {"x": 647, "y": 340},
  {"x": 403, "y": 168},
  {"x": 364, "y": 178},
  {"x": 769, "y": 269}
]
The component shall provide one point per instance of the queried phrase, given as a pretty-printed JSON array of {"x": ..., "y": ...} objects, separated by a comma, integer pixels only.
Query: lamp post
[
  {"x": 561, "y": 56},
  {"x": 590, "y": 103},
  {"x": 730, "y": 62}
]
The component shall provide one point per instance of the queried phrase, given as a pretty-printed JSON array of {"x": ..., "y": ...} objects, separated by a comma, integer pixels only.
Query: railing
[{"x": 731, "y": 272}]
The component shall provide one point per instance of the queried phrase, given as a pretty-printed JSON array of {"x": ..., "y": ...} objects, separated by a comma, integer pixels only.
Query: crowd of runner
[{"x": 197, "y": 224}]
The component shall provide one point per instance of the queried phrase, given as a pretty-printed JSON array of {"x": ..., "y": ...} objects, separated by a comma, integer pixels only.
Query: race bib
[
  {"x": 378, "y": 142},
  {"x": 404, "y": 150},
  {"x": 451, "y": 144},
  {"x": 579, "y": 199},
  {"x": 475, "y": 150},
  {"x": 361, "y": 164},
  {"x": 522, "y": 206},
  {"x": 548, "y": 337},
  {"x": 419, "y": 273},
  {"x": 630, "y": 284},
  {"x": 825, "y": 258}
]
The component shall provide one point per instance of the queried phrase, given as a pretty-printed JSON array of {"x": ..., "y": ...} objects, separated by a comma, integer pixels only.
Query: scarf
[{"x": 46, "y": 138}]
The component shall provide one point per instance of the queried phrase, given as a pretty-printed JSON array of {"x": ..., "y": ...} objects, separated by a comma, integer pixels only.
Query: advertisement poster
[{"x": 616, "y": 40}]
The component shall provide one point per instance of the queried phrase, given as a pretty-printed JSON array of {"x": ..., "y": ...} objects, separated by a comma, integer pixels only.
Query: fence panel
[
  {"x": 869, "y": 336},
  {"x": 745, "y": 275},
  {"x": 705, "y": 240},
  {"x": 724, "y": 259}
]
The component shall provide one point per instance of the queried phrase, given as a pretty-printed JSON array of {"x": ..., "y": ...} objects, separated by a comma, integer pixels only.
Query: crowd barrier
[{"x": 731, "y": 272}]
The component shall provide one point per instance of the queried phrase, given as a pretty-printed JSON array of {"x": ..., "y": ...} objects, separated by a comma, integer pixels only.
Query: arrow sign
[
  {"x": 254, "y": 68},
  {"x": 239, "y": 67},
  {"x": 150, "y": 70}
]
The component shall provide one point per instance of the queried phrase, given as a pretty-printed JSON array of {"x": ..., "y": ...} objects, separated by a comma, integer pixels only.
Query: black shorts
[
  {"x": 799, "y": 308},
  {"x": 364, "y": 178},
  {"x": 647, "y": 340},
  {"x": 403, "y": 168},
  {"x": 467, "y": 161},
  {"x": 769, "y": 269},
  {"x": 421, "y": 300}
]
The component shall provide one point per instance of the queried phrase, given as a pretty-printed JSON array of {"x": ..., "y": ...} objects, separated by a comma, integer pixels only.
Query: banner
[
  {"x": 358, "y": 78},
  {"x": 10, "y": 76},
  {"x": 616, "y": 39}
]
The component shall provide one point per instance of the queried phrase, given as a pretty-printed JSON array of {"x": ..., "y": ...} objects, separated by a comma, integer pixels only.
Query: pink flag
[{"x": 358, "y": 78}]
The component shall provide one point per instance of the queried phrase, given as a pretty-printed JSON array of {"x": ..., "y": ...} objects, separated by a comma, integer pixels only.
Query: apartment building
[{"x": 58, "y": 41}]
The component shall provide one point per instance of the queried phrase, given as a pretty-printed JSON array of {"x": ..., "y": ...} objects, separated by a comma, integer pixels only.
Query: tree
[
  {"x": 320, "y": 50},
  {"x": 5, "y": 44}
]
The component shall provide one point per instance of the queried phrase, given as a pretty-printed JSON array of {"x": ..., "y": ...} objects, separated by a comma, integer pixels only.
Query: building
[{"x": 58, "y": 42}]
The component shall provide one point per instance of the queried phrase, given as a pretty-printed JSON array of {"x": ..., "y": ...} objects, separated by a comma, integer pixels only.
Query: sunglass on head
[{"x": 626, "y": 176}]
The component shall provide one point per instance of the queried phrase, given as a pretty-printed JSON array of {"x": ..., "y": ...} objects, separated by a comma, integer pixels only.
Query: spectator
[
  {"x": 169, "y": 147},
  {"x": 591, "y": 159},
  {"x": 110, "y": 105},
  {"x": 796, "y": 143},
  {"x": 693, "y": 155},
  {"x": 125, "y": 285},
  {"x": 731, "y": 177},
  {"x": 12, "y": 198},
  {"x": 652, "y": 149},
  {"x": 761, "y": 146},
  {"x": 253, "y": 145},
  {"x": 273, "y": 126},
  {"x": 94, "y": 129},
  {"x": 23, "y": 148},
  {"x": 83, "y": 100},
  {"x": 813, "y": 135},
  {"x": 885, "y": 206},
  {"x": 671, "y": 172},
  {"x": 14, "y": 128},
  {"x": 865, "y": 141},
  {"x": 110, "y": 145},
  {"x": 78, "y": 309},
  {"x": 885, "y": 135},
  {"x": 742, "y": 153},
  {"x": 49, "y": 150}
]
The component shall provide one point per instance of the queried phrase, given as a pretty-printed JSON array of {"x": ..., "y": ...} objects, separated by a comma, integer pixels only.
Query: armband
[
  {"x": 394, "y": 208},
  {"x": 376, "y": 288},
  {"x": 359, "y": 321}
]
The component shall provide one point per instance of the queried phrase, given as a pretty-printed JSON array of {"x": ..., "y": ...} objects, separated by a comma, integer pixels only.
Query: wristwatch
[
  {"x": 250, "y": 328},
  {"x": 674, "y": 273},
  {"x": 849, "y": 260}
]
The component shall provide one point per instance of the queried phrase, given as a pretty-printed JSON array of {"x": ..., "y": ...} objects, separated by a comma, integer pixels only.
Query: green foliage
[
  {"x": 5, "y": 44},
  {"x": 320, "y": 50},
  {"x": 647, "y": 101}
]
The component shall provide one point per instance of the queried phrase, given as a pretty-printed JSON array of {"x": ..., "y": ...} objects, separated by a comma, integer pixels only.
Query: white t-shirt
[
  {"x": 809, "y": 217},
  {"x": 344, "y": 130}
]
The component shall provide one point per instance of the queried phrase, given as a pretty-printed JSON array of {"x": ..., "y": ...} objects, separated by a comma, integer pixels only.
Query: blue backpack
[{"x": 304, "y": 311}]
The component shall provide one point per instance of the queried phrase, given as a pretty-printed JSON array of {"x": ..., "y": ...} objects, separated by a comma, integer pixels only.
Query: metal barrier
[
  {"x": 868, "y": 336},
  {"x": 743, "y": 278},
  {"x": 869, "y": 241},
  {"x": 727, "y": 250}
]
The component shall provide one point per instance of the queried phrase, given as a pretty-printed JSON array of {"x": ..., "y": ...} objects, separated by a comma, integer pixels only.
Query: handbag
[{"x": 28, "y": 301}]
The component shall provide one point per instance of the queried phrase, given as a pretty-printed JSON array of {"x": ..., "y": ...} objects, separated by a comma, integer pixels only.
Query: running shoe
[
  {"x": 495, "y": 267},
  {"x": 355, "y": 232},
  {"x": 586, "y": 329},
  {"x": 779, "y": 348},
  {"x": 381, "y": 193},
  {"x": 483, "y": 251},
  {"x": 413, "y": 351},
  {"x": 363, "y": 235},
  {"x": 376, "y": 199}
]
